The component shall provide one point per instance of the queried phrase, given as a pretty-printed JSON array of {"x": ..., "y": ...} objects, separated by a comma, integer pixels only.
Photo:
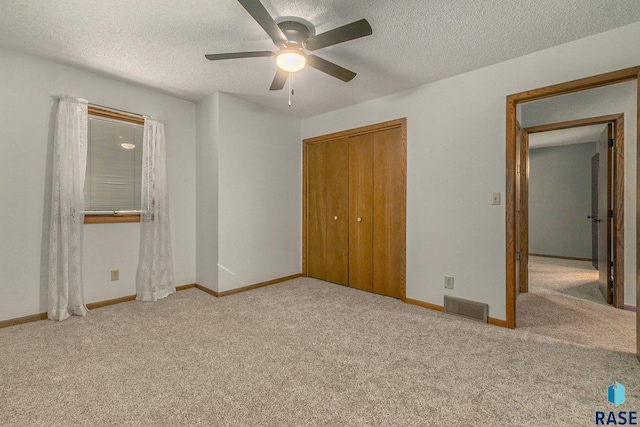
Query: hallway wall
[{"x": 560, "y": 200}]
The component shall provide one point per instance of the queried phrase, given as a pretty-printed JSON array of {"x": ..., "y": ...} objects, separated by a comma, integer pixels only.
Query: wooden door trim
[
  {"x": 574, "y": 123},
  {"x": 512, "y": 101},
  {"x": 524, "y": 214},
  {"x": 392, "y": 124},
  {"x": 398, "y": 123},
  {"x": 578, "y": 85}
]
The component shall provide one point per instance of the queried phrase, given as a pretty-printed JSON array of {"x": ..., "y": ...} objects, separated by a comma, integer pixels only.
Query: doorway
[
  {"x": 511, "y": 174},
  {"x": 608, "y": 217},
  {"x": 562, "y": 298}
]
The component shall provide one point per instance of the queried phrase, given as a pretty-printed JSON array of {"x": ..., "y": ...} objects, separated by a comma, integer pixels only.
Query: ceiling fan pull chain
[{"x": 290, "y": 87}]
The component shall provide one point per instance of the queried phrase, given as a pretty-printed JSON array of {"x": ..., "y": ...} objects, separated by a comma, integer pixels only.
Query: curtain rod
[
  {"x": 114, "y": 213},
  {"x": 138, "y": 116}
]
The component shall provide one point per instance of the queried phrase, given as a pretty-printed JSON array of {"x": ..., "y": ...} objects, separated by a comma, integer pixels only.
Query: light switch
[{"x": 495, "y": 198}]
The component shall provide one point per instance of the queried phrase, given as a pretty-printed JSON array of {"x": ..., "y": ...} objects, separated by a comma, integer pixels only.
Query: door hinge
[
  {"x": 610, "y": 213},
  {"x": 611, "y": 142},
  {"x": 611, "y": 285}
]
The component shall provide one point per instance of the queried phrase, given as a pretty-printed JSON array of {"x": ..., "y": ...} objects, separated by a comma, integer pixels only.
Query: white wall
[
  {"x": 207, "y": 138},
  {"x": 260, "y": 194},
  {"x": 27, "y": 112},
  {"x": 614, "y": 99},
  {"x": 456, "y": 158},
  {"x": 257, "y": 154}
]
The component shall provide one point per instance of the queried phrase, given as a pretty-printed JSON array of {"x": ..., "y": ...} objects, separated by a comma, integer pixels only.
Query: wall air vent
[{"x": 470, "y": 309}]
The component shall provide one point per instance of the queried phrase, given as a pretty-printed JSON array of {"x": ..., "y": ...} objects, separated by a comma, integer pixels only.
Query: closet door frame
[{"x": 398, "y": 123}]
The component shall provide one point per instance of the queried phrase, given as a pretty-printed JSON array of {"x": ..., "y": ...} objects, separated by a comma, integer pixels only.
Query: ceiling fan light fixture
[{"x": 291, "y": 60}]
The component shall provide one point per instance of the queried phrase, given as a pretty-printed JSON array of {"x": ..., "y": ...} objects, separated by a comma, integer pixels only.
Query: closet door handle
[
  {"x": 359, "y": 219},
  {"x": 335, "y": 218}
]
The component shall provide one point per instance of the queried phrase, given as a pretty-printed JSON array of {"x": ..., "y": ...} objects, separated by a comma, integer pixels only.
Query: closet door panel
[
  {"x": 316, "y": 161},
  {"x": 328, "y": 199},
  {"x": 338, "y": 206},
  {"x": 389, "y": 213},
  {"x": 361, "y": 212}
]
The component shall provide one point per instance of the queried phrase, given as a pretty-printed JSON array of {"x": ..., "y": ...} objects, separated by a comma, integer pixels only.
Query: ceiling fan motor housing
[{"x": 296, "y": 32}]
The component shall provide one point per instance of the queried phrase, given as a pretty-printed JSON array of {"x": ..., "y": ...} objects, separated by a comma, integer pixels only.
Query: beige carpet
[
  {"x": 298, "y": 353},
  {"x": 564, "y": 302}
]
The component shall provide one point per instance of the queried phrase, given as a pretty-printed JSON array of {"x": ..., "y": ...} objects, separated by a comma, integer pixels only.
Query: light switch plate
[
  {"x": 115, "y": 275},
  {"x": 495, "y": 198}
]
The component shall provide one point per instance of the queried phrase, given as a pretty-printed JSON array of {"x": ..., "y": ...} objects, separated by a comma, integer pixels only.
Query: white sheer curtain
[
  {"x": 67, "y": 202},
  {"x": 154, "y": 279}
]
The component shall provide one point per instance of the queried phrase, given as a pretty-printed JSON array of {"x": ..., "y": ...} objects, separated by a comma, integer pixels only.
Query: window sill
[{"x": 109, "y": 219}]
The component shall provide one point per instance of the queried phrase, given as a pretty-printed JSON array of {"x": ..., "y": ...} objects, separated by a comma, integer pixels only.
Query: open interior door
[
  {"x": 604, "y": 220},
  {"x": 595, "y": 161}
]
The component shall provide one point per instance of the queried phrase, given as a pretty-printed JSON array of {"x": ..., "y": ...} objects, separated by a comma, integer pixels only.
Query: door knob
[
  {"x": 335, "y": 218},
  {"x": 359, "y": 219}
]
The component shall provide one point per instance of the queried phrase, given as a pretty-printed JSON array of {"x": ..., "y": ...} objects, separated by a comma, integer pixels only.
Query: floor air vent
[{"x": 465, "y": 308}]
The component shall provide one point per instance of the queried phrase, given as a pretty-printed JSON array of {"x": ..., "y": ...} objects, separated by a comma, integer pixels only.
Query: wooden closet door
[
  {"x": 328, "y": 209},
  {"x": 361, "y": 212},
  {"x": 389, "y": 212}
]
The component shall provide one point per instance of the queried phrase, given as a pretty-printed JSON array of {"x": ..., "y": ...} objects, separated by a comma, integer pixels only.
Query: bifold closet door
[
  {"x": 388, "y": 212},
  {"x": 328, "y": 211},
  {"x": 361, "y": 212}
]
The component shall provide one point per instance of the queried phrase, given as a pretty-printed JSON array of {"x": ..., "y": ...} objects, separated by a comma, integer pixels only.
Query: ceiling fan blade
[
  {"x": 279, "y": 80},
  {"x": 262, "y": 17},
  {"x": 236, "y": 55},
  {"x": 352, "y": 31},
  {"x": 330, "y": 68}
]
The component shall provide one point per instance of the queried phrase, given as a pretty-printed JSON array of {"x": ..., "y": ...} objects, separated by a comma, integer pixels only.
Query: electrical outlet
[
  {"x": 115, "y": 275},
  {"x": 448, "y": 282}
]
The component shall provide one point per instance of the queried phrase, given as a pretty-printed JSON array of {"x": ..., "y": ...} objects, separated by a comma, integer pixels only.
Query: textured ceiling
[
  {"x": 565, "y": 136},
  {"x": 162, "y": 43}
]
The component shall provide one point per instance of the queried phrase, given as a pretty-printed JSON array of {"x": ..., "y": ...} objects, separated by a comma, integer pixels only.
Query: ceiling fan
[{"x": 294, "y": 37}]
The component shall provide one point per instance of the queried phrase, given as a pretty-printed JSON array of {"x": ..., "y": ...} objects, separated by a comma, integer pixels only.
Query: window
[{"x": 114, "y": 167}]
